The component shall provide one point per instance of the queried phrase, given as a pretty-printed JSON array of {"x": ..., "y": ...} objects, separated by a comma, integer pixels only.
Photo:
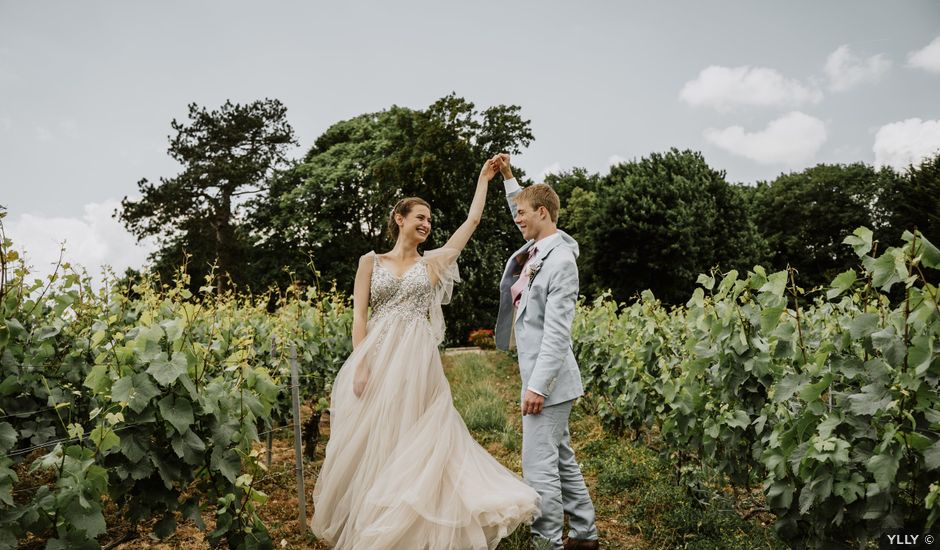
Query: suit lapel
[
  {"x": 524, "y": 250},
  {"x": 543, "y": 255}
]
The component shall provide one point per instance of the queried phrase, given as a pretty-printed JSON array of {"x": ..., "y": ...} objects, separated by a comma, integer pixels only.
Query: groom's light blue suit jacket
[{"x": 543, "y": 320}]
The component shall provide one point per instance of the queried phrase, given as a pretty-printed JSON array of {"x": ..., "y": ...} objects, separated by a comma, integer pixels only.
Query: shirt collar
[{"x": 540, "y": 245}]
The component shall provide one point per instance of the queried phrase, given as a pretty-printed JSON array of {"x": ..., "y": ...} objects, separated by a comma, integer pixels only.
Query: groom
[{"x": 537, "y": 300}]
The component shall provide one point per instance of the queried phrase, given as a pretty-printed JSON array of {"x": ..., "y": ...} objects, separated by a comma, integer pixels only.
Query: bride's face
[{"x": 417, "y": 224}]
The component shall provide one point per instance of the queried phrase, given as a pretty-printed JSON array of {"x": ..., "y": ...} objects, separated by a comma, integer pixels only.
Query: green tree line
[{"x": 241, "y": 207}]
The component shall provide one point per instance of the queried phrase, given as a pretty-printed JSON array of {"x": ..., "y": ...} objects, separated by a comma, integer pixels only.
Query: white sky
[{"x": 88, "y": 89}]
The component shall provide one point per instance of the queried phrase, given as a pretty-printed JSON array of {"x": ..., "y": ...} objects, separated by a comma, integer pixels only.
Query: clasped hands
[{"x": 497, "y": 163}]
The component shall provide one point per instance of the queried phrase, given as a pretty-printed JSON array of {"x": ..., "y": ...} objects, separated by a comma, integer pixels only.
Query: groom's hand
[
  {"x": 504, "y": 167},
  {"x": 532, "y": 403}
]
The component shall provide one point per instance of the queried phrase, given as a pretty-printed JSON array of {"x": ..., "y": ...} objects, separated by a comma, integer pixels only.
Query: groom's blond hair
[{"x": 539, "y": 195}]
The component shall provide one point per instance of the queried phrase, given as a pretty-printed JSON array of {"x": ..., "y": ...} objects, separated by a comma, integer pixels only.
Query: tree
[
  {"x": 912, "y": 200},
  {"x": 577, "y": 192},
  {"x": 334, "y": 205},
  {"x": 804, "y": 216},
  {"x": 226, "y": 154},
  {"x": 657, "y": 223}
]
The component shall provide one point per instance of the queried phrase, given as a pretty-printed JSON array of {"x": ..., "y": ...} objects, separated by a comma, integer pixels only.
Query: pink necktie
[{"x": 523, "y": 280}]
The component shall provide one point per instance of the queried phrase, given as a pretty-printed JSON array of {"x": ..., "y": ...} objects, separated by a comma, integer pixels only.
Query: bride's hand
[
  {"x": 490, "y": 167},
  {"x": 359, "y": 382}
]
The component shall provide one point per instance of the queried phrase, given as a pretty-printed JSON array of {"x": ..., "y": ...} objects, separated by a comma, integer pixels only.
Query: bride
[{"x": 401, "y": 470}]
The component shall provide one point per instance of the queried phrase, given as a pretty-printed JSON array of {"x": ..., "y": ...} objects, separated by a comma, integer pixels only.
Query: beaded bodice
[{"x": 408, "y": 297}]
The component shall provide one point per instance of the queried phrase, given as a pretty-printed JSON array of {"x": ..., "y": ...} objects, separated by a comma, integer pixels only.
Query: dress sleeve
[{"x": 442, "y": 266}]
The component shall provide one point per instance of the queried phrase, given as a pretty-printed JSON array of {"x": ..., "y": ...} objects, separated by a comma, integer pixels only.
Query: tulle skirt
[{"x": 401, "y": 470}]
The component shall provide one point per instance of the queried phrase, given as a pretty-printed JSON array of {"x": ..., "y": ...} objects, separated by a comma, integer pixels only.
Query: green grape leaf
[
  {"x": 811, "y": 392},
  {"x": 178, "y": 411},
  {"x": 850, "y": 490},
  {"x": 930, "y": 256},
  {"x": 164, "y": 371},
  {"x": 788, "y": 386},
  {"x": 884, "y": 467},
  {"x": 770, "y": 318},
  {"x": 136, "y": 391},
  {"x": 91, "y": 521},
  {"x": 227, "y": 462},
  {"x": 872, "y": 399},
  {"x": 98, "y": 379},
  {"x": 863, "y": 325},
  {"x": 776, "y": 283},
  {"x": 7, "y": 437},
  {"x": 841, "y": 283},
  {"x": 104, "y": 438},
  {"x": 45, "y": 332},
  {"x": 131, "y": 448},
  {"x": 932, "y": 456},
  {"x": 860, "y": 240}
]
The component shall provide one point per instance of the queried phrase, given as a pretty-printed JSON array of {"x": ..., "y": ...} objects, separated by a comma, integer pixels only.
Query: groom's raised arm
[{"x": 511, "y": 185}]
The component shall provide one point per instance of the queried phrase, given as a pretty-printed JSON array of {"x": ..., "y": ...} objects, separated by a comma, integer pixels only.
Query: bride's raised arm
[{"x": 460, "y": 237}]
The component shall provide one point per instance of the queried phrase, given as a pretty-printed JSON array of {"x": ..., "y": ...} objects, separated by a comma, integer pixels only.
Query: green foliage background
[
  {"x": 650, "y": 223},
  {"x": 828, "y": 403},
  {"x": 149, "y": 398}
]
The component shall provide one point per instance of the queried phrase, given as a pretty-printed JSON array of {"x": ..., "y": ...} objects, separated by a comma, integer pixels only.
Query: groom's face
[{"x": 528, "y": 219}]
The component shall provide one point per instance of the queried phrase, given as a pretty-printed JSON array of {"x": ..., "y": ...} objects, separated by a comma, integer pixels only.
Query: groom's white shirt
[{"x": 511, "y": 186}]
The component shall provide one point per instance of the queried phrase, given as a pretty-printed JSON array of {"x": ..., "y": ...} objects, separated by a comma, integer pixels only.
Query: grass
[
  {"x": 482, "y": 408},
  {"x": 639, "y": 489}
]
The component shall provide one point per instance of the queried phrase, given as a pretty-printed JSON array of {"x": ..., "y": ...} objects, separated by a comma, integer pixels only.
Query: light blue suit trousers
[{"x": 549, "y": 467}]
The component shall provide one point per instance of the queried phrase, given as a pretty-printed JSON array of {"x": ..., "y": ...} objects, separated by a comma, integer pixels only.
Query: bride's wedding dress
[{"x": 401, "y": 470}]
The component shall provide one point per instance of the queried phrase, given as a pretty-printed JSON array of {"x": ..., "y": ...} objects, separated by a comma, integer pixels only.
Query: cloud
[
  {"x": 67, "y": 128},
  {"x": 92, "y": 241},
  {"x": 553, "y": 168},
  {"x": 724, "y": 88},
  {"x": 901, "y": 144},
  {"x": 791, "y": 139},
  {"x": 43, "y": 134},
  {"x": 926, "y": 58},
  {"x": 846, "y": 70}
]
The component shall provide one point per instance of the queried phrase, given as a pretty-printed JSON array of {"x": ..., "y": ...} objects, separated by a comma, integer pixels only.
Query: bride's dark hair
[{"x": 403, "y": 207}]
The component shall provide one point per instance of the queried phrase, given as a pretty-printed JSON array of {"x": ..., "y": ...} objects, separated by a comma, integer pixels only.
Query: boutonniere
[{"x": 534, "y": 270}]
